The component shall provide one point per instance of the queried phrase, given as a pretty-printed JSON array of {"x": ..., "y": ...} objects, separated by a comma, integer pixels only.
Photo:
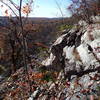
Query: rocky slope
[
  {"x": 80, "y": 47},
  {"x": 76, "y": 55},
  {"x": 74, "y": 61}
]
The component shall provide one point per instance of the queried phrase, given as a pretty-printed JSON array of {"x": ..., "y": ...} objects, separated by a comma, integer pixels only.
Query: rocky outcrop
[
  {"x": 74, "y": 64},
  {"x": 77, "y": 54},
  {"x": 78, "y": 49}
]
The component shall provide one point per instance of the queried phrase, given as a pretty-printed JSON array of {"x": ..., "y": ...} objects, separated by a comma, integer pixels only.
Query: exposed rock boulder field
[
  {"x": 71, "y": 72},
  {"x": 78, "y": 47},
  {"x": 76, "y": 55}
]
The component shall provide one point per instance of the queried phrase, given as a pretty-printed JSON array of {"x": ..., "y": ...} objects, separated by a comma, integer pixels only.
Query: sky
[{"x": 46, "y": 8}]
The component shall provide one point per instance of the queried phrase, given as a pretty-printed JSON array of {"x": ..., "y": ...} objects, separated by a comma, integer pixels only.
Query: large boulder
[
  {"x": 78, "y": 49},
  {"x": 75, "y": 56}
]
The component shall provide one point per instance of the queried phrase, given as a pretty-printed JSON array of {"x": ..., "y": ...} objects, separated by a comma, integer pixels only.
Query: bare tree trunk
[
  {"x": 23, "y": 38},
  {"x": 13, "y": 66}
]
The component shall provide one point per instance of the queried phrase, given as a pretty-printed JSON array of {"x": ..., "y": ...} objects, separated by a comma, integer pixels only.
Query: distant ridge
[{"x": 4, "y": 20}]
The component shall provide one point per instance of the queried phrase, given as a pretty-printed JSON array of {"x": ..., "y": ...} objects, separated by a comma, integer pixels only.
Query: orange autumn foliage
[
  {"x": 26, "y": 9},
  {"x": 37, "y": 76}
]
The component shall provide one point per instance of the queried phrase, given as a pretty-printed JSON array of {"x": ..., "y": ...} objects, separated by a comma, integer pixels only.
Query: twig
[
  {"x": 10, "y": 8},
  {"x": 60, "y": 10},
  {"x": 24, "y": 45}
]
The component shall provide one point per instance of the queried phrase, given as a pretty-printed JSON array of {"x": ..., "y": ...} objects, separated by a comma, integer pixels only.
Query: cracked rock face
[
  {"x": 76, "y": 55},
  {"x": 78, "y": 49}
]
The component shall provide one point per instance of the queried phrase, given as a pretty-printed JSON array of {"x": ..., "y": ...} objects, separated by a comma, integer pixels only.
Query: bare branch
[{"x": 10, "y": 8}]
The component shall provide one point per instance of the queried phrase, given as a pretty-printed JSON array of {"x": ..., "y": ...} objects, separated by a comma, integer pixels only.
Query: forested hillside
[{"x": 50, "y": 58}]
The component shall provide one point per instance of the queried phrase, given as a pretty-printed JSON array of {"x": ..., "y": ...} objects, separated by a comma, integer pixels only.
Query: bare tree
[
  {"x": 84, "y": 8},
  {"x": 17, "y": 11}
]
